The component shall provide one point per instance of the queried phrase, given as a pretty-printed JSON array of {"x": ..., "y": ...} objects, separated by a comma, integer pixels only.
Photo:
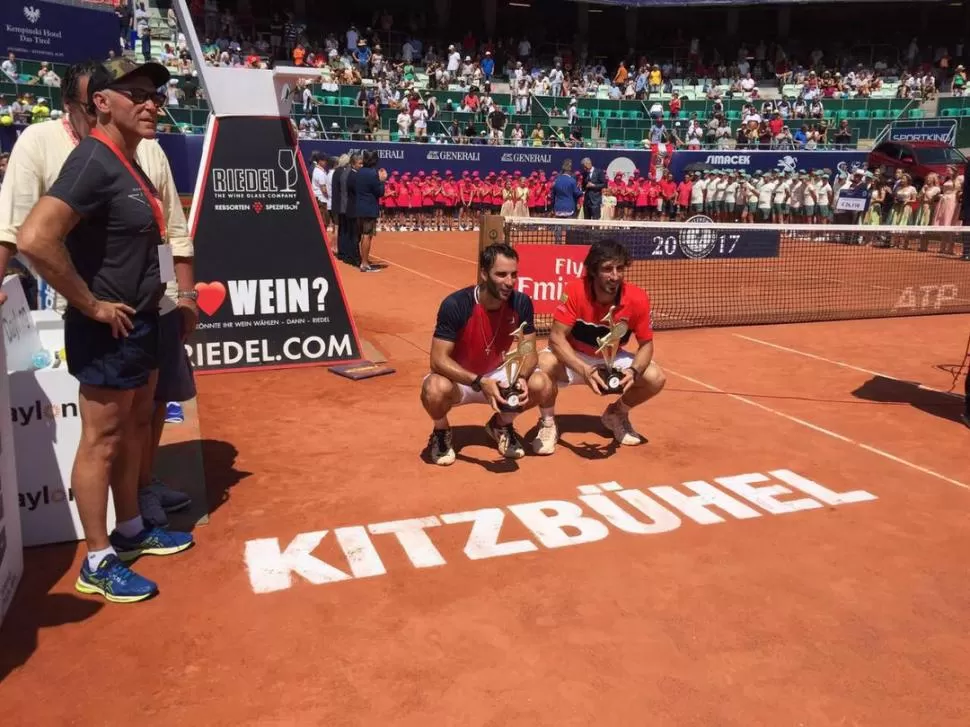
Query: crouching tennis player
[
  {"x": 473, "y": 332},
  {"x": 571, "y": 357}
]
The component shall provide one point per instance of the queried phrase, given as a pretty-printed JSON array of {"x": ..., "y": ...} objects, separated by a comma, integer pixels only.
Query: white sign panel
[
  {"x": 46, "y": 422},
  {"x": 20, "y": 335},
  {"x": 11, "y": 546}
]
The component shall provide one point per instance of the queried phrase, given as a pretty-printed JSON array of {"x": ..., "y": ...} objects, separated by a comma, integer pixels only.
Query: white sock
[
  {"x": 622, "y": 407},
  {"x": 548, "y": 414},
  {"x": 131, "y": 528},
  {"x": 96, "y": 556}
]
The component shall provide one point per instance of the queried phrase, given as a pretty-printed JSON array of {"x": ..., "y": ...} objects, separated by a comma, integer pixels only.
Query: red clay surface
[{"x": 846, "y": 615}]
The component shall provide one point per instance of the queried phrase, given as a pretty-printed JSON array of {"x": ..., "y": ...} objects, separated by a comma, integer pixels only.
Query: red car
[{"x": 917, "y": 158}]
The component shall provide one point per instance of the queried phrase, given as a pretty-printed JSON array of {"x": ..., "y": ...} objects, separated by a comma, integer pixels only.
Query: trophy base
[
  {"x": 513, "y": 395},
  {"x": 612, "y": 378}
]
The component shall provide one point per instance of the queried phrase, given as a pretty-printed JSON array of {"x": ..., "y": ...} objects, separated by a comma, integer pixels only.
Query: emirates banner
[{"x": 269, "y": 293}]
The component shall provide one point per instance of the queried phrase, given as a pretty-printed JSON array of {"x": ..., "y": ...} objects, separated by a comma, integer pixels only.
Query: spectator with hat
[{"x": 101, "y": 246}]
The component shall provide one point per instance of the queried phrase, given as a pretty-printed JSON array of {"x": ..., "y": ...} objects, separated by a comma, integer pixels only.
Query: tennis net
[{"x": 707, "y": 274}]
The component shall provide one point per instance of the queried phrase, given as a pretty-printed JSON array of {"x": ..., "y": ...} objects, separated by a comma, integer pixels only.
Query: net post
[{"x": 491, "y": 230}]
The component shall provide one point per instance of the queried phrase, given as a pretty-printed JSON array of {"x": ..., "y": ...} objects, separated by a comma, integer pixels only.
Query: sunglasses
[{"x": 139, "y": 95}]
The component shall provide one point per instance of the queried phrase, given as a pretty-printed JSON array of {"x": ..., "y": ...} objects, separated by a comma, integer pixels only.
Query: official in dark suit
[
  {"x": 349, "y": 237},
  {"x": 338, "y": 200},
  {"x": 594, "y": 182},
  {"x": 369, "y": 183}
]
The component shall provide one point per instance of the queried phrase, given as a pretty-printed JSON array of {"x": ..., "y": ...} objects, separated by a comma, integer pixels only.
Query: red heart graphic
[{"x": 211, "y": 296}]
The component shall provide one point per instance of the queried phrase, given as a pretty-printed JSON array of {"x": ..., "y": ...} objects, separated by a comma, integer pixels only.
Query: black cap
[{"x": 113, "y": 72}]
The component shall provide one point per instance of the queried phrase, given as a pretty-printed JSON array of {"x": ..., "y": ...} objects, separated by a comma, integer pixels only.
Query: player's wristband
[{"x": 477, "y": 384}]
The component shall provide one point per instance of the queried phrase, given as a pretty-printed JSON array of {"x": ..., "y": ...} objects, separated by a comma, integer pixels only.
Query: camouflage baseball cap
[{"x": 113, "y": 72}]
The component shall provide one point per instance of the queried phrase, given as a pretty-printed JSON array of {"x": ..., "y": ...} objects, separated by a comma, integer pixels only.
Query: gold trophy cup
[
  {"x": 514, "y": 358},
  {"x": 609, "y": 345}
]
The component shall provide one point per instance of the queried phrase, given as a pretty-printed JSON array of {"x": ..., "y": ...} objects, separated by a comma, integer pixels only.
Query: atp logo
[{"x": 31, "y": 13}]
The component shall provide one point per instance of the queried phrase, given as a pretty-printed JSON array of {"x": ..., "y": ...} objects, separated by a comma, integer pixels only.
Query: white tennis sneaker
[
  {"x": 546, "y": 437},
  {"x": 619, "y": 423},
  {"x": 442, "y": 453},
  {"x": 506, "y": 439}
]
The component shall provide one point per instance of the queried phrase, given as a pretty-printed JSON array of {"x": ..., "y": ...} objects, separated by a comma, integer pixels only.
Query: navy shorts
[
  {"x": 175, "y": 379},
  {"x": 96, "y": 358}
]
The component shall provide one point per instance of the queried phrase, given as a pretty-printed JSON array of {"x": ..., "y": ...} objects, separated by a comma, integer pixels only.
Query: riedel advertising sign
[{"x": 269, "y": 295}]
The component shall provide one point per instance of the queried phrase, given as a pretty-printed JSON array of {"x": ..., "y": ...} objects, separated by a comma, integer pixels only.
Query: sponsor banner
[
  {"x": 185, "y": 156},
  {"x": 42, "y": 30},
  {"x": 269, "y": 295},
  {"x": 544, "y": 270},
  {"x": 696, "y": 238},
  {"x": 941, "y": 133},
  {"x": 753, "y": 161},
  {"x": 412, "y": 157},
  {"x": 46, "y": 422},
  {"x": 11, "y": 544}
]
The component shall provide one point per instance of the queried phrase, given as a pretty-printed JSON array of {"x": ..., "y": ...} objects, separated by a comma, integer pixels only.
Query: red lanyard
[{"x": 150, "y": 196}]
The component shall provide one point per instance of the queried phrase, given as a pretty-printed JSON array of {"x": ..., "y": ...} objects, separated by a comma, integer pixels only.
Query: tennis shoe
[
  {"x": 508, "y": 442},
  {"x": 174, "y": 413},
  {"x": 619, "y": 423},
  {"x": 115, "y": 581},
  {"x": 171, "y": 500},
  {"x": 151, "y": 509},
  {"x": 442, "y": 453},
  {"x": 546, "y": 437},
  {"x": 150, "y": 541}
]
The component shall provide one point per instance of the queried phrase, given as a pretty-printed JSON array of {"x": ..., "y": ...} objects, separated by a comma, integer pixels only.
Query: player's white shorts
[
  {"x": 622, "y": 361},
  {"x": 470, "y": 396}
]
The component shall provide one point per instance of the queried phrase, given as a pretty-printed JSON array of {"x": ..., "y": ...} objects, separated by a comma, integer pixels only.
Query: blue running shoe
[
  {"x": 115, "y": 581},
  {"x": 150, "y": 541},
  {"x": 174, "y": 413}
]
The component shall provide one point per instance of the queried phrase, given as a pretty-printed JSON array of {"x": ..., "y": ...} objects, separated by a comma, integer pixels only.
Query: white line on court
[
  {"x": 823, "y": 430},
  {"x": 843, "y": 364},
  {"x": 415, "y": 272},
  {"x": 437, "y": 252}
]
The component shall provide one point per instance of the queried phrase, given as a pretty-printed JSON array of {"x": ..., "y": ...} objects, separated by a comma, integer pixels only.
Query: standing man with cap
[
  {"x": 98, "y": 237},
  {"x": 36, "y": 162}
]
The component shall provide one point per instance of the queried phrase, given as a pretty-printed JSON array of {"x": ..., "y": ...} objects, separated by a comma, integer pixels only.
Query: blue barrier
[
  {"x": 185, "y": 155},
  {"x": 754, "y": 160},
  {"x": 43, "y": 30},
  {"x": 413, "y": 157}
]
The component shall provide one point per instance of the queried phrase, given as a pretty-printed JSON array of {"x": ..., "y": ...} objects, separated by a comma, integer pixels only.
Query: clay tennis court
[{"x": 848, "y": 609}]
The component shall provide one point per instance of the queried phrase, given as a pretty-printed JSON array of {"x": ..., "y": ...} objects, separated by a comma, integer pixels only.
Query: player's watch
[
  {"x": 192, "y": 295},
  {"x": 477, "y": 384},
  {"x": 636, "y": 372}
]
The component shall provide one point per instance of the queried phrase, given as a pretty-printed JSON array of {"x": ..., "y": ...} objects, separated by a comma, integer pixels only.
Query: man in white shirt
[
  {"x": 33, "y": 167},
  {"x": 322, "y": 176}
]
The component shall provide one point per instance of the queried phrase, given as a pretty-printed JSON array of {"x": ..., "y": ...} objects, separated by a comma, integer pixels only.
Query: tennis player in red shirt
[
  {"x": 571, "y": 357},
  {"x": 473, "y": 332}
]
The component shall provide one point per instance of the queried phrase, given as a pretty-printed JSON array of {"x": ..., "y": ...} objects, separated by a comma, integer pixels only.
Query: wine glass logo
[{"x": 287, "y": 162}]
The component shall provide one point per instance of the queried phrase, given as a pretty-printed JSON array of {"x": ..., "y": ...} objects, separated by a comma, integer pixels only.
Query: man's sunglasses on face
[{"x": 139, "y": 95}]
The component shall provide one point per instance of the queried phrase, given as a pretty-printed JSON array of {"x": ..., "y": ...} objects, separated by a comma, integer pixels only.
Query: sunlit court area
[{"x": 507, "y": 363}]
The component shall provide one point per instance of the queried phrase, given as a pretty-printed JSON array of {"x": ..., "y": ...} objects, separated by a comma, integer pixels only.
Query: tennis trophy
[
  {"x": 609, "y": 345},
  {"x": 514, "y": 358}
]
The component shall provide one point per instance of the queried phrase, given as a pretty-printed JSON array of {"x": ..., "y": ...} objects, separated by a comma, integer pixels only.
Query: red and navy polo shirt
[{"x": 472, "y": 328}]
